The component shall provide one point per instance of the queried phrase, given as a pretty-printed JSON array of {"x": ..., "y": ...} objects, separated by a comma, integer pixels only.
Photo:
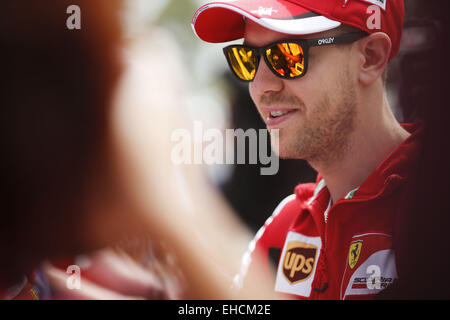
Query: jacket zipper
[{"x": 324, "y": 283}]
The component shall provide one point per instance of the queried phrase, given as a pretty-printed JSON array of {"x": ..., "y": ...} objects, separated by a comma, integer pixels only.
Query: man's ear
[{"x": 375, "y": 51}]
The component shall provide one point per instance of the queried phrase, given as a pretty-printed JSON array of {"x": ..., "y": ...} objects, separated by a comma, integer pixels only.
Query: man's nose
[{"x": 265, "y": 81}]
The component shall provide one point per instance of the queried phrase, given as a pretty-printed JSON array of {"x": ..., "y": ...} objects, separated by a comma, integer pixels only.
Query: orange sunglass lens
[
  {"x": 287, "y": 59},
  {"x": 243, "y": 62}
]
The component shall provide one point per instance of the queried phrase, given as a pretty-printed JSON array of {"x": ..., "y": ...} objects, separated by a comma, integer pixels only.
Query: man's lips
[{"x": 276, "y": 116}]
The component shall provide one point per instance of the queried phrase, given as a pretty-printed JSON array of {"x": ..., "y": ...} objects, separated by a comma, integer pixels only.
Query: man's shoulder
[
  {"x": 273, "y": 232},
  {"x": 286, "y": 211}
]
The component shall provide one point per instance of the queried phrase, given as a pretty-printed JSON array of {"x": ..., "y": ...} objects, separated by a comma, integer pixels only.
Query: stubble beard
[{"x": 324, "y": 138}]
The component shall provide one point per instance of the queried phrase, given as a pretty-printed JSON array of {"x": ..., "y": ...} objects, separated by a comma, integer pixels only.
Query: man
[{"x": 316, "y": 74}]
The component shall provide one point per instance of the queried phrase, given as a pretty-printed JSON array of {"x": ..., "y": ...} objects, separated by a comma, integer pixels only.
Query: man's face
[{"x": 321, "y": 105}]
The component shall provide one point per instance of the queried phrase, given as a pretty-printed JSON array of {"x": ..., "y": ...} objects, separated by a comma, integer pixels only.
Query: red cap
[{"x": 225, "y": 20}]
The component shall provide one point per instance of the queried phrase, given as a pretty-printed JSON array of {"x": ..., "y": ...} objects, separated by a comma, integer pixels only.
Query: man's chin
[
  {"x": 287, "y": 153},
  {"x": 290, "y": 156},
  {"x": 283, "y": 145}
]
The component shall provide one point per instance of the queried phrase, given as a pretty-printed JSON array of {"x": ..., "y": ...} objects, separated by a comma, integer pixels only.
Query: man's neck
[{"x": 369, "y": 146}]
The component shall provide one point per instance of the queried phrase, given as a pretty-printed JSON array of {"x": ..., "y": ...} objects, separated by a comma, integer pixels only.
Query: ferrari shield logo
[{"x": 353, "y": 253}]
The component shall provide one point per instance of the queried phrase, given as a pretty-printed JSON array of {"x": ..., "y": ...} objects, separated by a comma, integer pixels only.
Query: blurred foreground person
[
  {"x": 57, "y": 188},
  {"x": 85, "y": 136},
  {"x": 316, "y": 75}
]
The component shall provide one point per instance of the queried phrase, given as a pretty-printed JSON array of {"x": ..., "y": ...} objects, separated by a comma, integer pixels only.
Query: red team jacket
[{"x": 344, "y": 251}]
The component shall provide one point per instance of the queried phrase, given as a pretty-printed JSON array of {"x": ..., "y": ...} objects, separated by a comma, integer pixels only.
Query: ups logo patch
[{"x": 299, "y": 261}]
